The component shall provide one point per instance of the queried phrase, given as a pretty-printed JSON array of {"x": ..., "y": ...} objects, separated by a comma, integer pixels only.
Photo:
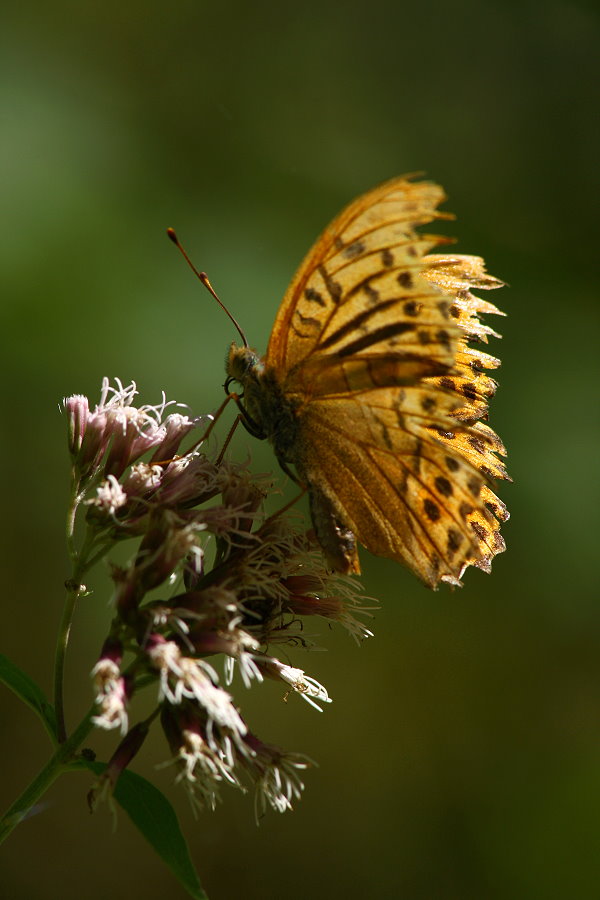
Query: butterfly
[{"x": 369, "y": 388}]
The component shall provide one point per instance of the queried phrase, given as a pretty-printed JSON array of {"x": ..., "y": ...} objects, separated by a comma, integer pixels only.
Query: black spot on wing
[
  {"x": 443, "y": 337},
  {"x": 314, "y": 296},
  {"x": 443, "y": 486},
  {"x": 357, "y": 248},
  {"x": 474, "y": 485},
  {"x": 432, "y": 510},
  {"x": 454, "y": 541}
]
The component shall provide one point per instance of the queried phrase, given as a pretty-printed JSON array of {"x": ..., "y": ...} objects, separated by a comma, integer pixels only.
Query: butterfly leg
[
  {"x": 291, "y": 475},
  {"x": 251, "y": 426}
]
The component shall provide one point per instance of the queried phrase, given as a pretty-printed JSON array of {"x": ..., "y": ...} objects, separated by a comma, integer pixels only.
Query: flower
[
  {"x": 112, "y": 688},
  {"x": 243, "y": 583},
  {"x": 175, "y": 427},
  {"x": 308, "y": 688},
  {"x": 189, "y": 480},
  {"x": 77, "y": 408},
  {"x": 143, "y": 480},
  {"x": 194, "y": 679},
  {"x": 276, "y": 775},
  {"x": 203, "y": 766},
  {"x": 115, "y": 433},
  {"x": 333, "y": 597},
  {"x": 112, "y": 706},
  {"x": 110, "y": 496}
]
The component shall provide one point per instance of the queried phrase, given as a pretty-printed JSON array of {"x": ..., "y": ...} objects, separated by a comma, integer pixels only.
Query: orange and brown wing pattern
[
  {"x": 372, "y": 458},
  {"x": 456, "y": 276},
  {"x": 478, "y": 444},
  {"x": 359, "y": 292}
]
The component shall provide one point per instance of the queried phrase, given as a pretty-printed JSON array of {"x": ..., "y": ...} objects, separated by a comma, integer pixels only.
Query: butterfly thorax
[{"x": 269, "y": 412}]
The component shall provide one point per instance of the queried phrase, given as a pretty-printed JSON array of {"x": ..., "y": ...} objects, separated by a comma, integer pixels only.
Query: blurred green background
[{"x": 461, "y": 757}]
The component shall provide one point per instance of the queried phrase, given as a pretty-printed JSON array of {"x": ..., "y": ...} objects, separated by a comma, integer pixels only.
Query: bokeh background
[{"x": 461, "y": 757}]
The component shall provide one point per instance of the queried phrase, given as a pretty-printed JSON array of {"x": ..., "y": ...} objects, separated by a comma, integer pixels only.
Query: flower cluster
[{"x": 213, "y": 583}]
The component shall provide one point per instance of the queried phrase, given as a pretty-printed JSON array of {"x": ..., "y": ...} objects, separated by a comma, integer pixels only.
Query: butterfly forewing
[{"x": 359, "y": 288}]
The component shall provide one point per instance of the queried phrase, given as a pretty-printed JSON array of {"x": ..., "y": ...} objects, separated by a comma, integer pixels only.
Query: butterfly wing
[
  {"x": 359, "y": 290},
  {"x": 370, "y": 350},
  {"x": 372, "y": 464}
]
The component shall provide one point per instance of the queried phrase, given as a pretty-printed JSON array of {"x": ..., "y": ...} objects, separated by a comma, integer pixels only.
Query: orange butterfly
[{"x": 370, "y": 390}]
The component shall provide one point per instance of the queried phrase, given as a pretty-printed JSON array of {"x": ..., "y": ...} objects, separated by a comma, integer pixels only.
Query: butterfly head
[
  {"x": 266, "y": 410},
  {"x": 243, "y": 365},
  {"x": 246, "y": 367}
]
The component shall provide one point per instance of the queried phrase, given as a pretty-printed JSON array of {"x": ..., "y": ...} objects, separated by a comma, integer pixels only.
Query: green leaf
[
  {"x": 151, "y": 812},
  {"x": 30, "y": 693}
]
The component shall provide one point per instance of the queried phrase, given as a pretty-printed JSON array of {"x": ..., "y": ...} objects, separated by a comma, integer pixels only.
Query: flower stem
[
  {"x": 71, "y": 515},
  {"x": 75, "y": 590},
  {"x": 40, "y": 784}
]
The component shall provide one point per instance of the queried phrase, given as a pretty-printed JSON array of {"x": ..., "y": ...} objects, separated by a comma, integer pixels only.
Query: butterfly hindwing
[{"x": 390, "y": 483}]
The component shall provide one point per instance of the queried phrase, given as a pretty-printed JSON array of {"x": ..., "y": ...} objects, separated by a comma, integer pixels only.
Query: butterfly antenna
[{"x": 205, "y": 281}]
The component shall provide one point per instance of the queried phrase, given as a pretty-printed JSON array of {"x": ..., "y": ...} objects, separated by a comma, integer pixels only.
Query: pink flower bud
[{"x": 77, "y": 409}]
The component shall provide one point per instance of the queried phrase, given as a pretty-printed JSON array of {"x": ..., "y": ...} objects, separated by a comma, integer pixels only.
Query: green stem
[
  {"x": 74, "y": 590},
  {"x": 74, "y": 501},
  {"x": 62, "y": 641},
  {"x": 48, "y": 775}
]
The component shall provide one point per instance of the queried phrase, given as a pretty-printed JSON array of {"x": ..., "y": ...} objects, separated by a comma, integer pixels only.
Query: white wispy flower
[
  {"x": 111, "y": 698},
  {"x": 276, "y": 774},
  {"x": 110, "y": 496},
  {"x": 280, "y": 783},
  {"x": 308, "y": 688},
  {"x": 183, "y": 677},
  {"x": 243, "y": 653},
  {"x": 143, "y": 478}
]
